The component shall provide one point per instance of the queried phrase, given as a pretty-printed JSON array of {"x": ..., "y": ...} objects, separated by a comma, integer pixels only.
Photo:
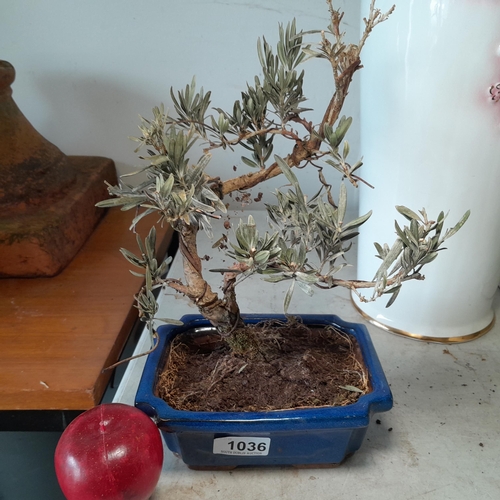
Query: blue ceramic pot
[{"x": 307, "y": 437}]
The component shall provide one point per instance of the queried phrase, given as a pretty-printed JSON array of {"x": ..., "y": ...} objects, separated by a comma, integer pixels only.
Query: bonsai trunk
[{"x": 224, "y": 312}]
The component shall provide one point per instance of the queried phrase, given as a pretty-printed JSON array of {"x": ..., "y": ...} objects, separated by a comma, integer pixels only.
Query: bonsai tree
[{"x": 311, "y": 236}]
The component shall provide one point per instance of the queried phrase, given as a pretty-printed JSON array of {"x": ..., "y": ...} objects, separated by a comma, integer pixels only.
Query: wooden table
[{"x": 57, "y": 334}]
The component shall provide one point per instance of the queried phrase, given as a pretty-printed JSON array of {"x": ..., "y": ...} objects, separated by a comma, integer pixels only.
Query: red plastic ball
[{"x": 111, "y": 452}]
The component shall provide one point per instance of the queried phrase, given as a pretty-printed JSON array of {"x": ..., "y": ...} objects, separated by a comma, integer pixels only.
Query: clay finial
[
  {"x": 47, "y": 199},
  {"x": 7, "y": 77}
]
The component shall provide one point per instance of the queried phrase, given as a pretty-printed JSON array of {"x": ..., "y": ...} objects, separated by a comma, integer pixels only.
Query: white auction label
[{"x": 239, "y": 445}]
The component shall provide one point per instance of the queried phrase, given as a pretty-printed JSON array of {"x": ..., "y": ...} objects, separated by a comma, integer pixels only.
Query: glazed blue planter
[{"x": 303, "y": 437}]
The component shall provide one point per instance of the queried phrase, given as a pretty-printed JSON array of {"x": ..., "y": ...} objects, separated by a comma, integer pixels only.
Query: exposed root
[
  {"x": 222, "y": 370},
  {"x": 176, "y": 357}
]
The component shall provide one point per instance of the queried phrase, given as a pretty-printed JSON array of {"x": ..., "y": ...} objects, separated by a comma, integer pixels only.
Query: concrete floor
[{"x": 441, "y": 441}]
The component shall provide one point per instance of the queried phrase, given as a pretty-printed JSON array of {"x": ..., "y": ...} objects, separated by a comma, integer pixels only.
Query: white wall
[{"x": 86, "y": 69}]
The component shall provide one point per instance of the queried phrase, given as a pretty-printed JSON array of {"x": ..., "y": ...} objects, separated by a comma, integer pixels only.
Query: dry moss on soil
[{"x": 295, "y": 367}]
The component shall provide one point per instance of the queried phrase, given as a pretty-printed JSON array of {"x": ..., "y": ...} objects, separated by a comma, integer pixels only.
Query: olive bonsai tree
[{"x": 311, "y": 234}]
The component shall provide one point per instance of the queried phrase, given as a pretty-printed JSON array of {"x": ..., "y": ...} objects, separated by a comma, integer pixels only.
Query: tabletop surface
[
  {"x": 441, "y": 441},
  {"x": 57, "y": 334}
]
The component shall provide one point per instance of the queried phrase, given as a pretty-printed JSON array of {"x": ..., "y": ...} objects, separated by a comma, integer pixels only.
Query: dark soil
[{"x": 294, "y": 367}]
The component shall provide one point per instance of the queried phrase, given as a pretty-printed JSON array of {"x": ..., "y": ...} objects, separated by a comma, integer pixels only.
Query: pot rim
[{"x": 353, "y": 415}]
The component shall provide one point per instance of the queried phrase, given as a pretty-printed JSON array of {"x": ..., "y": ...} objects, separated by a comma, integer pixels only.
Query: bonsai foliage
[{"x": 311, "y": 235}]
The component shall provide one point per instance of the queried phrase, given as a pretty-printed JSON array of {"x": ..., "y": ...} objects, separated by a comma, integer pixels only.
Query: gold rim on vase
[{"x": 424, "y": 338}]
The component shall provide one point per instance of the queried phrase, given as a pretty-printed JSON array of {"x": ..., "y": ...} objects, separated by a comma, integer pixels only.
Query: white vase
[{"x": 430, "y": 137}]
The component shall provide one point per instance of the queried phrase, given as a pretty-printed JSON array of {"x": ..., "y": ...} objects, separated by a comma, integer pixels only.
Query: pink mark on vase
[{"x": 495, "y": 92}]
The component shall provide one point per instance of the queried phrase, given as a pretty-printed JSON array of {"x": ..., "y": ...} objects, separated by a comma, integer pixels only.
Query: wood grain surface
[{"x": 57, "y": 334}]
